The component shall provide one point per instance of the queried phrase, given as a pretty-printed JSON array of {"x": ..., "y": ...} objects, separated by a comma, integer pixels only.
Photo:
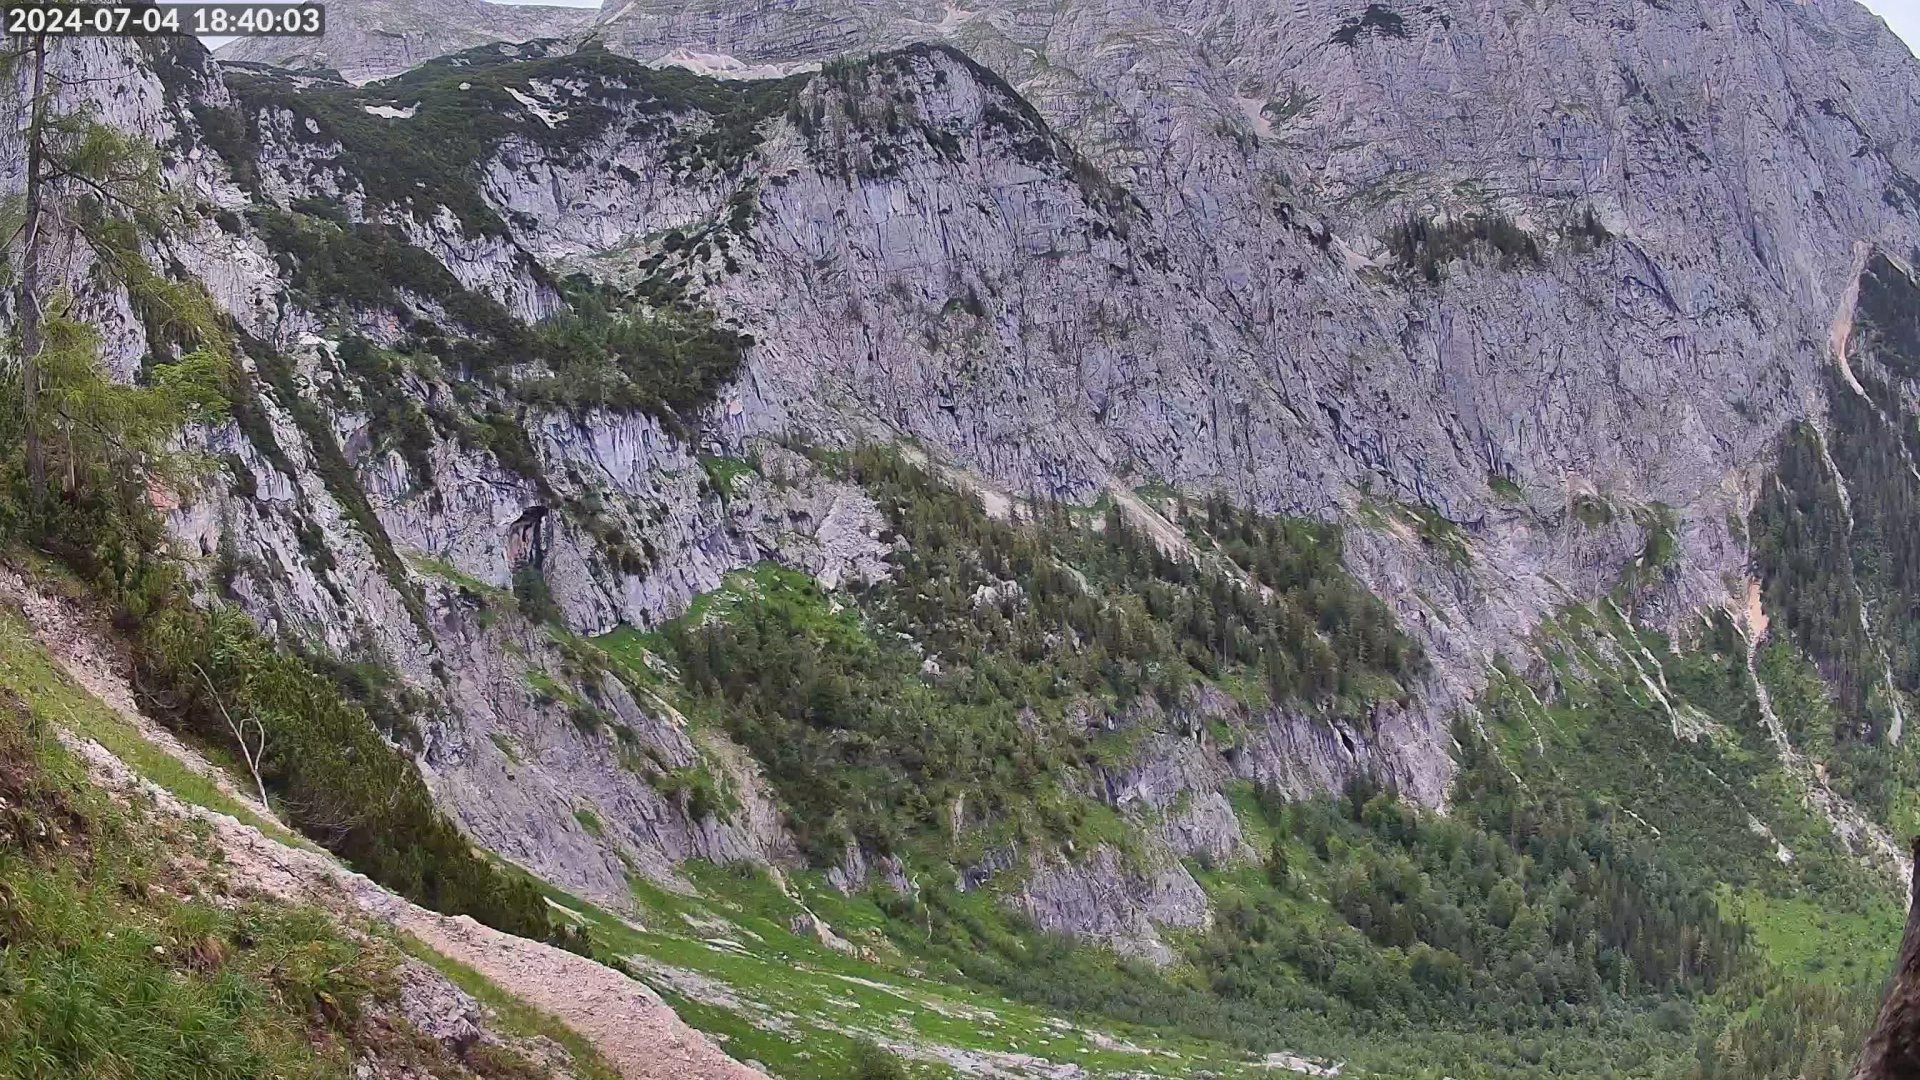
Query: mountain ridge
[{"x": 1533, "y": 331}]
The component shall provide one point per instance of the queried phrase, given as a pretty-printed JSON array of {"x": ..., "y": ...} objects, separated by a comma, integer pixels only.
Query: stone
[{"x": 1110, "y": 242}]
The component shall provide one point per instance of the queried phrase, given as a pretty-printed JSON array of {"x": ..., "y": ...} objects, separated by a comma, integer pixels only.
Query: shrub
[
  {"x": 338, "y": 781},
  {"x": 106, "y": 976},
  {"x": 536, "y": 600},
  {"x": 871, "y": 1062},
  {"x": 1427, "y": 246}
]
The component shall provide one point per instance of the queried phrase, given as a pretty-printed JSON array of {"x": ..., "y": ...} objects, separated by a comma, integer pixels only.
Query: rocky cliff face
[
  {"x": 1507, "y": 291},
  {"x": 373, "y": 40}
]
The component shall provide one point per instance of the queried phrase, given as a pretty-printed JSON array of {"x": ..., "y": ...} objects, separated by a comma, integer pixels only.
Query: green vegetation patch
[
  {"x": 1505, "y": 489},
  {"x": 1816, "y": 942},
  {"x": 724, "y": 473},
  {"x": 1436, "y": 531},
  {"x": 1593, "y": 511},
  {"x": 635, "y": 353},
  {"x": 28, "y": 673},
  {"x": 732, "y": 964},
  {"x": 634, "y": 654},
  {"x": 1426, "y": 247},
  {"x": 1694, "y": 778},
  {"x": 391, "y": 404},
  {"x": 1658, "y": 552},
  {"x": 1834, "y": 538},
  {"x": 465, "y": 108},
  {"x": 118, "y": 965},
  {"x": 590, "y": 821},
  {"x": 948, "y": 704},
  {"x": 626, "y": 353}
]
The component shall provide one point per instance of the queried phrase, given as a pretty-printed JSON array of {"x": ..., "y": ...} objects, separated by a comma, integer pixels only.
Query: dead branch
[{"x": 250, "y": 753}]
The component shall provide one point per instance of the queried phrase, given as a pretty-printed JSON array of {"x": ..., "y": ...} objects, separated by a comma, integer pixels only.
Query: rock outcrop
[
  {"x": 371, "y": 39},
  {"x": 1503, "y": 289},
  {"x": 1105, "y": 900}
]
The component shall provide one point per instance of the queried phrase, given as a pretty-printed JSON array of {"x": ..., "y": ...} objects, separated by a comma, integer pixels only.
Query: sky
[{"x": 1903, "y": 16}]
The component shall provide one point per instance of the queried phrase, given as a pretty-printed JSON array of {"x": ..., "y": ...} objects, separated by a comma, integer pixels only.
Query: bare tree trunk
[
  {"x": 29, "y": 289},
  {"x": 1892, "y": 1051},
  {"x": 252, "y": 753}
]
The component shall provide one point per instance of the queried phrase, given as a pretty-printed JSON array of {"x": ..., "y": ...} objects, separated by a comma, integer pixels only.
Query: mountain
[
  {"x": 1327, "y": 534},
  {"x": 372, "y": 40}
]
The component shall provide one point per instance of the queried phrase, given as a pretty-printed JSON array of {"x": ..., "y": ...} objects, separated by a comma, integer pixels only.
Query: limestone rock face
[
  {"x": 1105, "y": 900},
  {"x": 1501, "y": 288},
  {"x": 372, "y": 39}
]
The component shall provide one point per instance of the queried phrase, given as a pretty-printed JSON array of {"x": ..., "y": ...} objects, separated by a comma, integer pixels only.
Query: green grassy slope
[{"x": 128, "y": 955}]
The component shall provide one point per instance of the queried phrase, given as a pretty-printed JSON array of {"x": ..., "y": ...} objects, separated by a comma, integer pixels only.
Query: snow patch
[
  {"x": 722, "y": 66},
  {"x": 549, "y": 117},
  {"x": 392, "y": 113}
]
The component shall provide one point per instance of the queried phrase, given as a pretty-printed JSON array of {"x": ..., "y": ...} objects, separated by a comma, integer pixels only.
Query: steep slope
[
  {"x": 1496, "y": 373},
  {"x": 1304, "y": 269},
  {"x": 701, "y": 476},
  {"x": 608, "y": 513},
  {"x": 152, "y": 931}
]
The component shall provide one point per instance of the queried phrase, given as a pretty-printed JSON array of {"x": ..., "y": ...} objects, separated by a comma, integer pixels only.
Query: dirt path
[
  {"x": 632, "y": 1028},
  {"x": 636, "y": 1032}
]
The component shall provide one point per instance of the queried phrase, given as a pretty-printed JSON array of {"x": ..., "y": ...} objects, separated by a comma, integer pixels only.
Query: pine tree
[
  {"x": 28, "y": 287},
  {"x": 1278, "y": 872},
  {"x": 89, "y": 187}
]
